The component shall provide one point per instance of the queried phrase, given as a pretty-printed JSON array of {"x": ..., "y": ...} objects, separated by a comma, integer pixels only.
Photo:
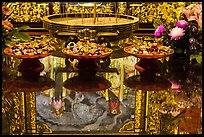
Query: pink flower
[
  {"x": 176, "y": 33},
  {"x": 157, "y": 34},
  {"x": 200, "y": 21},
  {"x": 197, "y": 8},
  {"x": 182, "y": 23},
  {"x": 194, "y": 12},
  {"x": 197, "y": 11},
  {"x": 159, "y": 31},
  {"x": 187, "y": 12}
]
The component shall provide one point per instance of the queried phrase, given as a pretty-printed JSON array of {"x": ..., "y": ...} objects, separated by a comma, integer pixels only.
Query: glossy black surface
[{"x": 124, "y": 101}]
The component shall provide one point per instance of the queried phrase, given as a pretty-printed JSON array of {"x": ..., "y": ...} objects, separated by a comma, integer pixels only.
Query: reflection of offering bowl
[
  {"x": 30, "y": 67},
  {"x": 20, "y": 85},
  {"x": 138, "y": 83},
  {"x": 87, "y": 84}
]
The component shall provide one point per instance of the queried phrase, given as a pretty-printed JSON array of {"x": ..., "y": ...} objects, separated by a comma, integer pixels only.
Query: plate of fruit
[
  {"x": 86, "y": 50},
  {"x": 32, "y": 49},
  {"x": 151, "y": 50}
]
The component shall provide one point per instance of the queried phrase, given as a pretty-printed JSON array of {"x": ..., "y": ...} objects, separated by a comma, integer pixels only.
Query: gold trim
[
  {"x": 128, "y": 127},
  {"x": 17, "y": 123},
  {"x": 43, "y": 128},
  {"x": 30, "y": 111}
]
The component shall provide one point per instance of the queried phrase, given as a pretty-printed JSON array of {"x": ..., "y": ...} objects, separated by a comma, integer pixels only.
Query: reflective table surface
[{"x": 117, "y": 100}]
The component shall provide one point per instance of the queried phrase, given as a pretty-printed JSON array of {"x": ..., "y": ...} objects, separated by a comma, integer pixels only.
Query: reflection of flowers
[
  {"x": 175, "y": 86},
  {"x": 166, "y": 102},
  {"x": 185, "y": 102},
  {"x": 184, "y": 35},
  {"x": 176, "y": 99},
  {"x": 57, "y": 106},
  {"x": 9, "y": 32}
]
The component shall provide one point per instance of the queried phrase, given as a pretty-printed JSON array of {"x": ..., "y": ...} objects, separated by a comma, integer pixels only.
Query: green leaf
[
  {"x": 199, "y": 59},
  {"x": 192, "y": 57},
  {"x": 166, "y": 32},
  {"x": 156, "y": 23},
  {"x": 178, "y": 50},
  {"x": 22, "y": 28},
  {"x": 22, "y": 36},
  {"x": 12, "y": 33}
]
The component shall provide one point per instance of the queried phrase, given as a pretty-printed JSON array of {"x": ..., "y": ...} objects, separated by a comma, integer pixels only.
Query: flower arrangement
[
  {"x": 184, "y": 35},
  {"x": 10, "y": 34}
]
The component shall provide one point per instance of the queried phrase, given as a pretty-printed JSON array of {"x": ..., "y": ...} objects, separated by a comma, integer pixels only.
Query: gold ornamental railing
[{"x": 147, "y": 12}]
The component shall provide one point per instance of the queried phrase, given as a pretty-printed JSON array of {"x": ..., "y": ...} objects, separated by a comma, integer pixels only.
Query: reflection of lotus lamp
[
  {"x": 58, "y": 107},
  {"x": 114, "y": 107}
]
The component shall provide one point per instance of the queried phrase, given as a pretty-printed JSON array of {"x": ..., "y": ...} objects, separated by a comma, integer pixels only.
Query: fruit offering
[
  {"x": 31, "y": 48},
  {"x": 150, "y": 49},
  {"x": 86, "y": 48}
]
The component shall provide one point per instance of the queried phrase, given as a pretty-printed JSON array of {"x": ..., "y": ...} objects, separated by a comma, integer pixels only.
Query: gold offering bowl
[{"x": 113, "y": 26}]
